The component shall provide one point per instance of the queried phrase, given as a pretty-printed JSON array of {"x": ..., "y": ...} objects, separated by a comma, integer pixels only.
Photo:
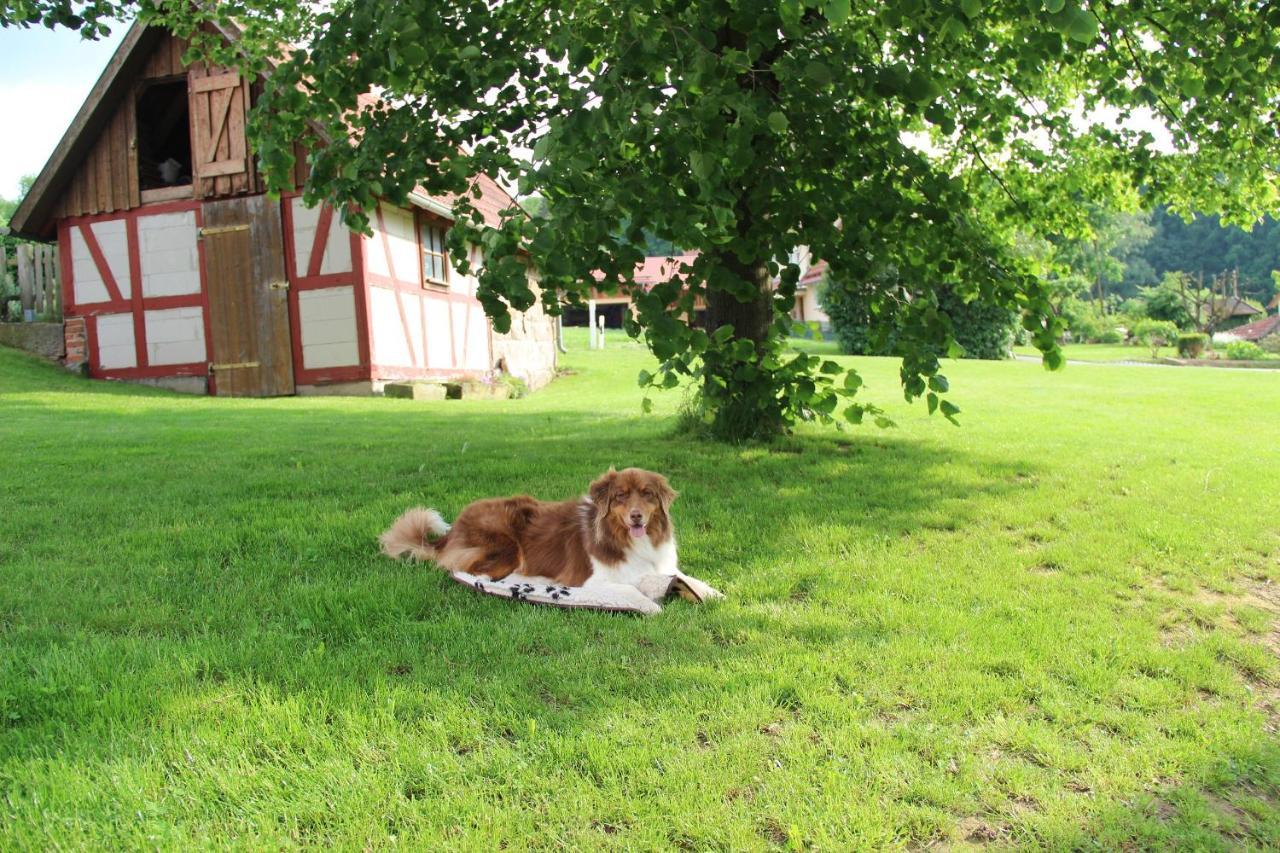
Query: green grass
[
  {"x": 1054, "y": 626},
  {"x": 1102, "y": 352}
]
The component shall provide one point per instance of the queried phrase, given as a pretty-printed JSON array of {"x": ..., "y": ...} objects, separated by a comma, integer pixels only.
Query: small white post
[
  {"x": 600, "y": 336},
  {"x": 591, "y": 324}
]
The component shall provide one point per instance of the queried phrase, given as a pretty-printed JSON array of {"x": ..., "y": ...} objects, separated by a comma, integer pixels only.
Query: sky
[{"x": 45, "y": 76}]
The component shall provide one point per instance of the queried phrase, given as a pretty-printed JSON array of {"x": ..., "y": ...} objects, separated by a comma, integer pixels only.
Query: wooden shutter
[{"x": 219, "y": 150}]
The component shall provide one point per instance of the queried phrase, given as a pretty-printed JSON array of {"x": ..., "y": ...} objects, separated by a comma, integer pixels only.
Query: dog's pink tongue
[{"x": 637, "y": 530}]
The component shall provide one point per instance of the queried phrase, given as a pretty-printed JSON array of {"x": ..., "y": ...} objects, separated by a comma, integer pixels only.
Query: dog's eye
[
  {"x": 648, "y": 493},
  {"x": 621, "y": 496}
]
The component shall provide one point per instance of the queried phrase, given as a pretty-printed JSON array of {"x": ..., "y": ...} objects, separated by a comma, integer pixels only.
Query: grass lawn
[
  {"x": 1101, "y": 352},
  {"x": 1053, "y": 626}
]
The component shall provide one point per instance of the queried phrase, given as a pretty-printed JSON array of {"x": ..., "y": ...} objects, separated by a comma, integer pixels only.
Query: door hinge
[
  {"x": 279, "y": 285},
  {"x": 233, "y": 365},
  {"x": 223, "y": 229}
]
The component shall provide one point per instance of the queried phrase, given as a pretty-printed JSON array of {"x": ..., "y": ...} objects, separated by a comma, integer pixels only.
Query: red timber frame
[
  {"x": 137, "y": 304},
  {"x": 446, "y": 298},
  {"x": 311, "y": 279}
]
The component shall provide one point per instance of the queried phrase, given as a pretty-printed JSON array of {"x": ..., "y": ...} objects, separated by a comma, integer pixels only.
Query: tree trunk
[{"x": 750, "y": 320}]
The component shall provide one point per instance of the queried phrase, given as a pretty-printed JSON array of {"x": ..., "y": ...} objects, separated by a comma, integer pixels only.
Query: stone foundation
[{"x": 42, "y": 339}]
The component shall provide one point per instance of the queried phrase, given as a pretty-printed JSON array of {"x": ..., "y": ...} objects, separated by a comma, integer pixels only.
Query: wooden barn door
[
  {"x": 248, "y": 297},
  {"x": 220, "y": 160}
]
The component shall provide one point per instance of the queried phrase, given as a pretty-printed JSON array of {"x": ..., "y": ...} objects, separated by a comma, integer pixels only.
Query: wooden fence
[{"x": 29, "y": 287}]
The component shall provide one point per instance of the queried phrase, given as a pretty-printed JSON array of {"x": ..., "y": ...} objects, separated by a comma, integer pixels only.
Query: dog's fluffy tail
[{"x": 410, "y": 535}]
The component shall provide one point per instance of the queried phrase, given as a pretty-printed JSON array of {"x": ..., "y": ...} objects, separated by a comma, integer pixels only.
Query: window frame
[{"x": 424, "y": 221}]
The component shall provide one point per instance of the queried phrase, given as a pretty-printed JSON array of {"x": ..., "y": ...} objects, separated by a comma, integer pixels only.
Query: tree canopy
[{"x": 919, "y": 136}]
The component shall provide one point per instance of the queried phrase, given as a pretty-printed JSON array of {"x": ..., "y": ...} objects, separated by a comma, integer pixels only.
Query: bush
[
  {"x": 1155, "y": 334},
  {"x": 1270, "y": 344},
  {"x": 1191, "y": 344},
  {"x": 859, "y": 330},
  {"x": 1085, "y": 328},
  {"x": 1111, "y": 336},
  {"x": 864, "y": 328},
  {"x": 1245, "y": 351},
  {"x": 985, "y": 331}
]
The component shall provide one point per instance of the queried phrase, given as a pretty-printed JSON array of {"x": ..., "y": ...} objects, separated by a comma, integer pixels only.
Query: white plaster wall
[
  {"x": 439, "y": 341},
  {"x": 115, "y": 341},
  {"x": 113, "y": 240},
  {"x": 471, "y": 337},
  {"x": 402, "y": 241},
  {"x": 175, "y": 336},
  {"x": 169, "y": 257},
  {"x": 337, "y": 250},
  {"x": 328, "y": 319},
  {"x": 388, "y": 344},
  {"x": 88, "y": 284}
]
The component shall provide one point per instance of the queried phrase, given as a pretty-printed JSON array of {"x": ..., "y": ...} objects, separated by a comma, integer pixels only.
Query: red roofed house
[
  {"x": 1258, "y": 329},
  {"x": 613, "y": 307},
  {"x": 807, "y": 308},
  {"x": 177, "y": 269}
]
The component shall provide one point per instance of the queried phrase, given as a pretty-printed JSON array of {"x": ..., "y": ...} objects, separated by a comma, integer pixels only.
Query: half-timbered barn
[{"x": 178, "y": 269}]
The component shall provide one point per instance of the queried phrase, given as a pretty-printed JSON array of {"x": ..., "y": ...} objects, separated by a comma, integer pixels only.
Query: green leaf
[
  {"x": 646, "y": 405},
  {"x": 837, "y": 11},
  {"x": 949, "y": 410},
  {"x": 939, "y": 383},
  {"x": 645, "y": 377},
  {"x": 818, "y": 73},
  {"x": 932, "y": 400},
  {"x": 853, "y": 414},
  {"x": 971, "y": 8},
  {"x": 852, "y": 381},
  {"x": 469, "y": 52},
  {"x": 1081, "y": 26},
  {"x": 830, "y": 367},
  {"x": 1053, "y": 7},
  {"x": 883, "y": 422},
  {"x": 778, "y": 122}
]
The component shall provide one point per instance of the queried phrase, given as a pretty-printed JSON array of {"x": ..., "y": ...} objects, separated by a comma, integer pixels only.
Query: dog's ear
[
  {"x": 666, "y": 494},
  {"x": 599, "y": 491}
]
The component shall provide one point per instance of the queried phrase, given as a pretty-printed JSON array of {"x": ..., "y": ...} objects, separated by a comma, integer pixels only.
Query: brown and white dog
[{"x": 617, "y": 540}]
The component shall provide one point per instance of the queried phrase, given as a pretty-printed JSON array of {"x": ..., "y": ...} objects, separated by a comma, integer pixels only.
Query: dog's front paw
[{"x": 692, "y": 589}]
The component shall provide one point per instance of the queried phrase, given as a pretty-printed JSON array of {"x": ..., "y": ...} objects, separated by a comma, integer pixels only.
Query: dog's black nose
[{"x": 636, "y": 518}]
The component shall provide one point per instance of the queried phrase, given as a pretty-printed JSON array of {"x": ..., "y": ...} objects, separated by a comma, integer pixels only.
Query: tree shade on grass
[{"x": 1053, "y": 626}]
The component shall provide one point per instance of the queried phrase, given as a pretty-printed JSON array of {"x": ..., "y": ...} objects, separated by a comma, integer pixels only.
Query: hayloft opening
[{"x": 164, "y": 135}]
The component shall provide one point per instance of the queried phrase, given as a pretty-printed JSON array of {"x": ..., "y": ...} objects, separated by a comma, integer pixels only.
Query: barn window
[
  {"x": 435, "y": 260},
  {"x": 164, "y": 135}
]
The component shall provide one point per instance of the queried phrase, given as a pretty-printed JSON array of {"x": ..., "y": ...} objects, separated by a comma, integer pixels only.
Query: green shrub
[
  {"x": 1191, "y": 344},
  {"x": 1085, "y": 328},
  {"x": 859, "y": 329},
  {"x": 1270, "y": 344},
  {"x": 1111, "y": 336},
  {"x": 864, "y": 327},
  {"x": 1155, "y": 334},
  {"x": 1245, "y": 351}
]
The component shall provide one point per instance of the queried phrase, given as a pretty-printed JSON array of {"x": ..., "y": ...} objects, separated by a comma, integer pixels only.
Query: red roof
[
  {"x": 1257, "y": 330},
  {"x": 493, "y": 200},
  {"x": 656, "y": 269},
  {"x": 813, "y": 274}
]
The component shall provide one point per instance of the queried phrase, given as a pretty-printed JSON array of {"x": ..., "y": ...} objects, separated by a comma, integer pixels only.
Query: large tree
[{"x": 906, "y": 134}]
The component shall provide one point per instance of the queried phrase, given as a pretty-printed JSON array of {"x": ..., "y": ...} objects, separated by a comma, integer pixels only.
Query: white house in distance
[{"x": 177, "y": 269}]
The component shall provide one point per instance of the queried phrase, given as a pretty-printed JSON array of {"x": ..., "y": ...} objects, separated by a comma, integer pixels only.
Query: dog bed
[{"x": 617, "y": 598}]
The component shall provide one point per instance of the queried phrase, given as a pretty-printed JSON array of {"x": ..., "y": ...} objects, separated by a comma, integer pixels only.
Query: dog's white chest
[{"x": 643, "y": 559}]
